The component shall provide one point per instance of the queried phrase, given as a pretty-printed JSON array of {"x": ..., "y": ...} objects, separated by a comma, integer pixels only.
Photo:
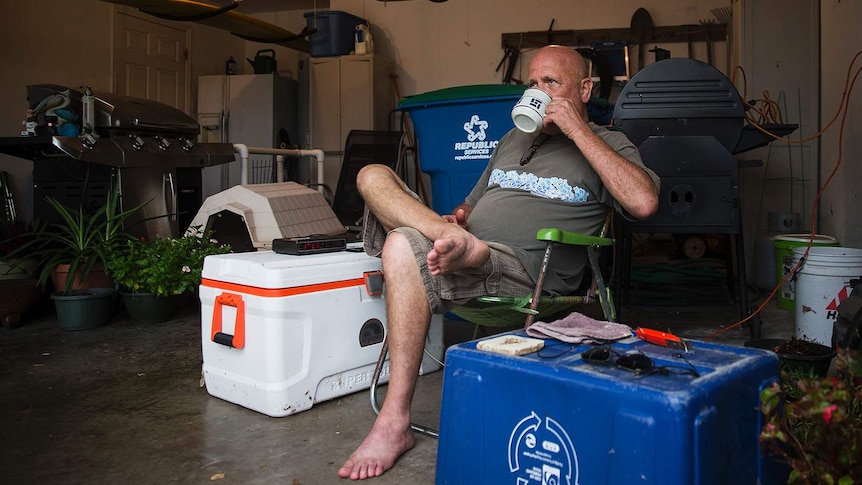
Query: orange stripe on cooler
[{"x": 281, "y": 292}]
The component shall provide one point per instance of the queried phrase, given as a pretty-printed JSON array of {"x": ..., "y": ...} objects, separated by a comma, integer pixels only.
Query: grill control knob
[
  {"x": 164, "y": 144},
  {"x": 188, "y": 144},
  {"x": 89, "y": 141},
  {"x": 137, "y": 143}
]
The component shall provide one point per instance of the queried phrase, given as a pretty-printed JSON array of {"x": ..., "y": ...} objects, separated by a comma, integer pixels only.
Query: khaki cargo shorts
[{"x": 502, "y": 275}]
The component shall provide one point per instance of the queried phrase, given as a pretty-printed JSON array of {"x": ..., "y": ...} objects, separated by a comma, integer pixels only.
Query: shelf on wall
[{"x": 669, "y": 34}]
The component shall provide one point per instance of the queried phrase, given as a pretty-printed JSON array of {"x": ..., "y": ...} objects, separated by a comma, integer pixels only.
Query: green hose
[{"x": 701, "y": 270}]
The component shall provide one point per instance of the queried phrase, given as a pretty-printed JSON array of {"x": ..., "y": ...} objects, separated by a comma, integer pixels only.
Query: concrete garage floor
[{"x": 124, "y": 404}]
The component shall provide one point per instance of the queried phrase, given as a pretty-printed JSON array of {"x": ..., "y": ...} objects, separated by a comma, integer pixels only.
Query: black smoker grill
[
  {"x": 150, "y": 149},
  {"x": 688, "y": 121}
]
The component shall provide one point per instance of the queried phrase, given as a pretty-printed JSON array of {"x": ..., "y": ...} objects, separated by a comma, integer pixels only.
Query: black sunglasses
[
  {"x": 638, "y": 363},
  {"x": 530, "y": 152}
]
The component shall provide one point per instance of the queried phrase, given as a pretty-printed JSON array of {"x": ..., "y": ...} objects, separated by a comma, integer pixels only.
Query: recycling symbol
[
  {"x": 475, "y": 128},
  {"x": 541, "y": 453}
]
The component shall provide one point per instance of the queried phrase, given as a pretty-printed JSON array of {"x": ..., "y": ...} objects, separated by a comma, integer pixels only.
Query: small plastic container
[{"x": 335, "y": 32}]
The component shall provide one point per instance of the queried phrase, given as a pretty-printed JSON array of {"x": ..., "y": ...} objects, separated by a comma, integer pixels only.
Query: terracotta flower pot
[{"x": 97, "y": 278}]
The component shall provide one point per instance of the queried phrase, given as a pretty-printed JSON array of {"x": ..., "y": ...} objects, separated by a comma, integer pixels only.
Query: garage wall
[
  {"x": 438, "y": 45},
  {"x": 840, "y": 42},
  {"x": 779, "y": 62}
]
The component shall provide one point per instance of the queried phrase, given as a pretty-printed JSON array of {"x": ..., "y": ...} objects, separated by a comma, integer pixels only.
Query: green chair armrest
[{"x": 571, "y": 238}]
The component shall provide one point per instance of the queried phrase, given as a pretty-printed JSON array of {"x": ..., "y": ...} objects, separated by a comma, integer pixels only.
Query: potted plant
[
  {"x": 81, "y": 242},
  {"x": 148, "y": 272},
  {"x": 814, "y": 423},
  {"x": 19, "y": 289},
  {"x": 798, "y": 354},
  {"x": 73, "y": 252}
]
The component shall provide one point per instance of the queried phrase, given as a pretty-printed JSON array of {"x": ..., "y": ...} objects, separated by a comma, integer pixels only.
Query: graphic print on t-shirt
[{"x": 549, "y": 188}]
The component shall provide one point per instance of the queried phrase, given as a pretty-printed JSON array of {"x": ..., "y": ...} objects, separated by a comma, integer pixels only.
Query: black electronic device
[{"x": 299, "y": 246}]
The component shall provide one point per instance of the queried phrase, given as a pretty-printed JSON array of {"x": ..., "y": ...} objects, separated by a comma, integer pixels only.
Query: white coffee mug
[{"x": 529, "y": 112}]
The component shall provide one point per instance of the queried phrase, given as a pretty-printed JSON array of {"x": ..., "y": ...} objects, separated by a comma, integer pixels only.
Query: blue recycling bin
[
  {"x": 457, "y": 129},
  {"x": 553, "y": 417}
]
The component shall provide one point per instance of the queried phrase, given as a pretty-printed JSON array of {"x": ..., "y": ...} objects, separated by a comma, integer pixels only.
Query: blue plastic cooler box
[
  {"x": 457, "y": 129},
  {"x": 561, "y": 420}
]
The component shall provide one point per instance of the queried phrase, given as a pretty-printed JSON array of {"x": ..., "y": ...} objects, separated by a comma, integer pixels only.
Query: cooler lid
[
  {"x": 461, "y": 94},
  {"x": 270, "y": 270}
]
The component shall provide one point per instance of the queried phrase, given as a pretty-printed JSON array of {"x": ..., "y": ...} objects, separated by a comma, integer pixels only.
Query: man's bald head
[
  {"x": 568, "y": 59},
  {"x": 562, "y": 73}
]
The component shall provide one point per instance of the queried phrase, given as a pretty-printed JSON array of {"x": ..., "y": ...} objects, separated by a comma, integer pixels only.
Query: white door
[{"x": 151, "y": 61}]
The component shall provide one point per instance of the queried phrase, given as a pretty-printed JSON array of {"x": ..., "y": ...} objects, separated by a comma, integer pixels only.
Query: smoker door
[
  {"x": 699, "y": 185},
  {"x": 156, "y": 187}
]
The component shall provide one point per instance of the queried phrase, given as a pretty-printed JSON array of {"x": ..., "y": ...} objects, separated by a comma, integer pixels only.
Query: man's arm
[{"x": 628, "y": 183}]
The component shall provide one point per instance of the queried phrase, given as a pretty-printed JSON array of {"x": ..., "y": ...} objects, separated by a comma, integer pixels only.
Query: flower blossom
[
  {"x": 186, "y": 269},
  {"x": 827, "y": 413}
]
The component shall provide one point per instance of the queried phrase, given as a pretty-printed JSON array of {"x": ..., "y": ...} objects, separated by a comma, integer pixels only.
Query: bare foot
[
  {"x": 452, "y": 254},
  {"x": 378, "y": 452}
]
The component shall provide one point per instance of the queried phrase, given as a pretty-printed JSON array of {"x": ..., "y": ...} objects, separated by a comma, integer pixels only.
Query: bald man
[{"x": 568, "y": 176}]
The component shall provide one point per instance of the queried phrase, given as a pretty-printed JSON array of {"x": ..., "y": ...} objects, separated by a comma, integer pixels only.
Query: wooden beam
[{"x": 575, "y": 38}]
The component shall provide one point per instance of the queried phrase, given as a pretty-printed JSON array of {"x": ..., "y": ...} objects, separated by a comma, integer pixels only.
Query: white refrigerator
[{"x": 258, "y": 110}]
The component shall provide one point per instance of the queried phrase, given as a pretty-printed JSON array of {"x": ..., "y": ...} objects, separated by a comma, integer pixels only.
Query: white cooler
[{"x": 282, "y": 332}]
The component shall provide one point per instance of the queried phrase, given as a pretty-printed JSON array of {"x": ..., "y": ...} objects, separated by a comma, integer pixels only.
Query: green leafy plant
[
  {"x": 164, "y": 266},
  {"x": 814, "y": 424},
  {"x": 80, "y": 240}
]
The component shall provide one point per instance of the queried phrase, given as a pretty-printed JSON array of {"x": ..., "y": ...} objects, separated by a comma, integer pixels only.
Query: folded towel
[{"x": 578, "y": 328}]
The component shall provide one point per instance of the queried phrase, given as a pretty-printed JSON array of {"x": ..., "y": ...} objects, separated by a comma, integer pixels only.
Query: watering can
[{"x": 263, "y": 64}]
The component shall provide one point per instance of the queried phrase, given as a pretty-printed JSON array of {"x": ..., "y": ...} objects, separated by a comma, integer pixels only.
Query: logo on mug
[{"x": 529, "y": 112}]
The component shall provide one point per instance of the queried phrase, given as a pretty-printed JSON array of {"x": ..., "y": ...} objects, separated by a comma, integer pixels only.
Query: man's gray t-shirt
[{"x": 557, "y": 188}]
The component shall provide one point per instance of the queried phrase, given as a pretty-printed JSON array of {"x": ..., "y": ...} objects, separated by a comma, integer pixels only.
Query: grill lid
[
  {"x": 680, "y": 97},
  {"x": 687, "y": 97},
  {"x": 115, "y": 112},
  {"x": 129, "y": 132}
]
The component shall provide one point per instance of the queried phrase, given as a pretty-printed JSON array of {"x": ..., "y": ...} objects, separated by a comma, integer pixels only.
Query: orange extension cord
[{"x": 768, "y": 113}]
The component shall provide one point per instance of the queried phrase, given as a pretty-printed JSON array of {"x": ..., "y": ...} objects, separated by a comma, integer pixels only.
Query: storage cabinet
[{"x": 346, "y": 93}]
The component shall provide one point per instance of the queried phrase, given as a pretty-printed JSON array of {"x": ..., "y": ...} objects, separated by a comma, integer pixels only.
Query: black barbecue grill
[
  {"x": 149, "y": 148},
  {"x": 688, "y": 121}
]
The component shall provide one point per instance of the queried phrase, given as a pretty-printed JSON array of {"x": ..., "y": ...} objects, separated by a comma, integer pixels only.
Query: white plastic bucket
[
  {"x": 785, "y": 260},
  {"x": 822, "y": 282}
]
